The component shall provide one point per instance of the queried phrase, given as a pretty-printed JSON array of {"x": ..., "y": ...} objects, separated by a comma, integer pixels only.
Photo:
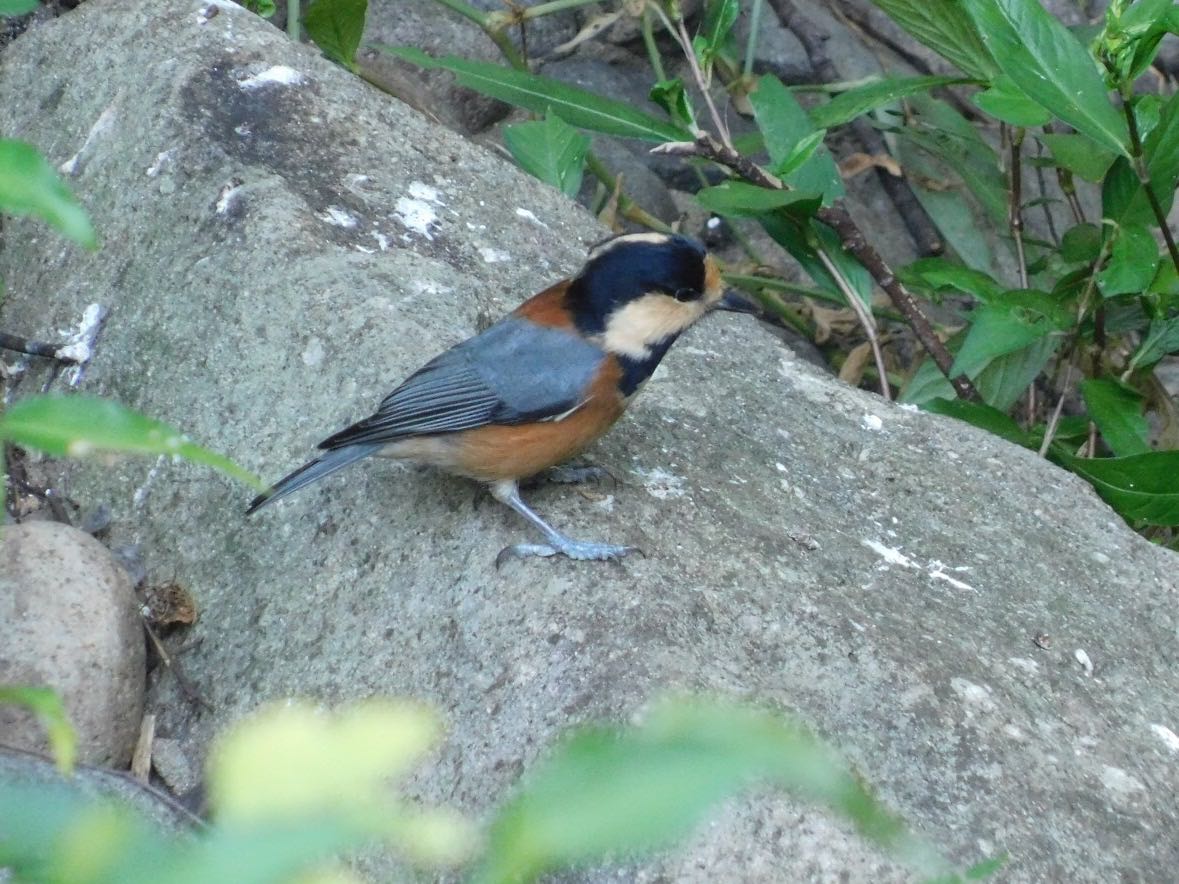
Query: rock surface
[
  {"x": 283, "y": 244},
  {"x": 69, "y": 620}
]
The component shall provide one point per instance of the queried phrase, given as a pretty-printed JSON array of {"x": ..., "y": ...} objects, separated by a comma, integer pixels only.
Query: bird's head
[{"x": 637, "y": 293}]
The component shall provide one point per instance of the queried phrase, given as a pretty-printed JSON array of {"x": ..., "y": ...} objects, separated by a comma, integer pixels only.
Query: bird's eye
[{"x": 686, "y": 295}]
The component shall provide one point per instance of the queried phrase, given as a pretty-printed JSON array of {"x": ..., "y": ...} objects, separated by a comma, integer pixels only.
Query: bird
[{"x": 540, "y": 385}]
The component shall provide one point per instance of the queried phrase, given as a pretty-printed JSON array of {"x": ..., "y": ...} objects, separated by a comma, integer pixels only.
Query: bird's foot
[
  {"x": 575, "y": 474},
  {"x": 579, "y": 550}
]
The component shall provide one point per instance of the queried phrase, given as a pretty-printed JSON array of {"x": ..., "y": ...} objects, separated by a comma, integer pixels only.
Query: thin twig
[
  {"x": 171, "y": 662},
  {"x": 34, "y": 348},
  {"x": 1050, "y": 431},
  {"x": 864, "y": 316},
  {"x": 1143, "y": 173},
  {"x": 1014, "y": 205},
  {"x": 1044, "y": 203}
]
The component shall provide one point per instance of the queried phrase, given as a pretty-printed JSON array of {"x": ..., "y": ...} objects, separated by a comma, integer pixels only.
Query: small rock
[{"x": 69, "y": 620}]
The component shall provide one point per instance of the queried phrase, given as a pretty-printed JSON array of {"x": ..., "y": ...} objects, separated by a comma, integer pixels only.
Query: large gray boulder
[{"x": 282, "y": 244}]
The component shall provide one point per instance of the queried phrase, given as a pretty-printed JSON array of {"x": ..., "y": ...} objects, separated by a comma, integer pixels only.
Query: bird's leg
[
  {"x": 575, "y": 474},
  {"x": 508, "y": 493}
]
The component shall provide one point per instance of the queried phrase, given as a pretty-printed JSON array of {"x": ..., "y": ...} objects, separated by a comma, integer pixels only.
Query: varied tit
[{"x": 543, "y": 383}]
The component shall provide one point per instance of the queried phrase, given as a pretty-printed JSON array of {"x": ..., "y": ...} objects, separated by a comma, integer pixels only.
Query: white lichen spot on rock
[
  {"x": 313, "y": 353},
  {"x": 1120, "y": 783},
  {"x": 529, "y": 216},
  {"x": 279, "y": 74},
  {"x": 661, "y": 484},
  {"x": 163, "y": 158},
  {"x": 105, "y": 123},
  {"x": 417, "y": 215},
  {"x": 872, "y": 422},
  {"x": 339, "y": 217},
  {"x": 1168, "y": 736},
  {"x": 494, "y": 256},
  {"x": 890, "y": 555},
  {"x": 1081, "y": 657},
  {"x": 973, "y": 696}
]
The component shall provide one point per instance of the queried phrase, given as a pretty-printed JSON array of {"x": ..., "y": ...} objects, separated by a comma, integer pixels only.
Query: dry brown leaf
[
  {"x": 830, "y": 321},
  {"x": 852, "y": 371},
  {"x": 858, "y": 162}
]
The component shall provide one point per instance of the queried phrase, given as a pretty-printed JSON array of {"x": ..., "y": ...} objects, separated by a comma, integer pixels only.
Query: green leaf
[
  {"x": 1008, "y": 324},
  {"x": 940, "y": 25},
  {"x": 719, "y": 18},
  {"x": 1161, "y": 338},
  {"x": 1117, "y": 411},
  {"x": 673, "y": 98},
  {"x": 30, "y": 186},
  {"x": 785, "y": 125},
  {"x": 939, "y": 274},
  {"x": 47, "y": 707},
  {"x": 10, "y": 8},
  {"x": 1005, "y": 101},
  {"x": 983, "y": 416},
  {"x": 1080, "y": 155},
  {"x": 1132, "y": 262},
  {"x": 1081, "y": 243},
  {"x": 846, "y": 106},
  {"x": 802, "y": 152},
  {"x": 605, "y": 792},
  {"x": 1007, "y": 378},
  {"x": 802, "y": 237},
  {"x": 1123, "y": 201},
  {"x": 1142, "y": 487},
  {"x": 742, "y": 199},
  {"x": 1050, "y": 66},
  {"x": 336, "y": 26},
  {"x": 577, "y": 107},
  {"x": 549, "y": 149},
  {"x": 77, "y": 426},
  {"x": 1161, "y": 150}
]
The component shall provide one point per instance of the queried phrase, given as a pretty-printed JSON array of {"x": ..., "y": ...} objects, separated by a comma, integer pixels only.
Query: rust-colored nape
[{"x": 548, "y": 308}]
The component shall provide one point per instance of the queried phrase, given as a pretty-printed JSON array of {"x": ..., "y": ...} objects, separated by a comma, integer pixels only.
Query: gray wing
[{"x": 514, "y": 372}]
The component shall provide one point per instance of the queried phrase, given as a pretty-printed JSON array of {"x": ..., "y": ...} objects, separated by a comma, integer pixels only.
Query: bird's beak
[{"x": 735, "y": 302}]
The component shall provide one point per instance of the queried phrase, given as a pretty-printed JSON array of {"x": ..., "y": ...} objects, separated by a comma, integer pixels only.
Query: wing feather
[{"x": 514, "y": 372}]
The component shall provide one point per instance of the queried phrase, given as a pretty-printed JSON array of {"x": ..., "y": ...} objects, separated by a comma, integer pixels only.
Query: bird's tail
[{"x": 324, "y": 465}]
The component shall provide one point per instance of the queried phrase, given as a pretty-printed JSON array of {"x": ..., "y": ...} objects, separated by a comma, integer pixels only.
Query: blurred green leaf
[
  {"x": 1081, "y": 243},
  {"x": 980, "y": 415},
  {"x": 605, "y": 792},
  {"x": 785, "y": 125},
  {"x": 337, "y": 26},
  {"x": 1005, "y": 101},
  {"x": 673, "y": 98},
  {"x": 291, "y": 760},
  {"x": 1142, "y": 487},
  {"x": 742, "y": 199},
  {"x": 940, "y": 25},
  {"x": 1080, "y": 155},
  {"x": 9, "y": 8},
  {"x": 1132, "y": 264},
  {"x": 1117, "y": 411},
  {"x": 1160, "y": 339},
  {"x": 1050, "y": 66},
  {"x": 846, "y": 106},
  {"x": 77, "y": 426},
  {"x": 50, "y": 712},
  {"x": 577, "y": 107},
  {"x": 801, "y": 237},
  {"x": 940, "y": 274},
  {"x": 30, "y": 186},
  {"x": 549, "y": 149},
  {"x": 1123, "y": 201}
]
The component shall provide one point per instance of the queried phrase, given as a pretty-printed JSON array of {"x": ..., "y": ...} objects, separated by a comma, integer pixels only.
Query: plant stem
[
  {"x": 863, "y": 315},
  {"x": 1014, "y": 211},
  {"x": 630, "y": 210},
  {"x": 293, "y": 19},
  {"x": 552, "y": 6},
  {"x": 653, "y": 55},
  {"x": 754, "y": 31},
  {"x": 506, "y": 47},
  {"x": 1143, "y": 173}
]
